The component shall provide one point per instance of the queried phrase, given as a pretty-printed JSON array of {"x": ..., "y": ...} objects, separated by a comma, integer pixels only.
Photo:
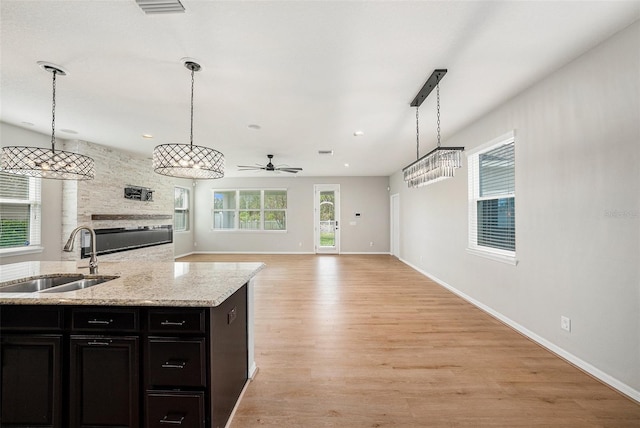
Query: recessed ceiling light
[
  {"x": 358, "y": 133},
  {"x": 254, "y": 126},
  {"x": 147, "y": 136},
  {"x": 346, "y": 165},
  {"x": 68, "y": 131}
]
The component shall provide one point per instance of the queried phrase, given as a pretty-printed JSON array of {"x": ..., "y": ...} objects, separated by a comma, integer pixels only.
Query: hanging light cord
[
  {"x": 438, "y": 109},
  {"x": 53, "y": 114},
  {"x": 417, "y": 133},
  {"x": 191, "y": 134}
]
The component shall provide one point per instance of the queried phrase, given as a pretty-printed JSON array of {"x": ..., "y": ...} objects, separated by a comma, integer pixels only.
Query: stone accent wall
[{"x": 115, "y": 170}]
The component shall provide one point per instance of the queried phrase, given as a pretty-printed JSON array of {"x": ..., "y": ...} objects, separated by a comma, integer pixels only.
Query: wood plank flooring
[{"x": 365, "y": 341}]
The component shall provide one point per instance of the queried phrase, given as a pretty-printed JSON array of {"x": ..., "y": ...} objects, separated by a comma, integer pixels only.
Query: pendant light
[
  {"x": 186, "y": 160},
  {"x": 441, "y": 162},
  {"x": 45, "y": 163}
]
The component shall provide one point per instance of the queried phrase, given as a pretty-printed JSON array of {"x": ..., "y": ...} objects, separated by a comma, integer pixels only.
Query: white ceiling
[{"x": 310, "y": 73}]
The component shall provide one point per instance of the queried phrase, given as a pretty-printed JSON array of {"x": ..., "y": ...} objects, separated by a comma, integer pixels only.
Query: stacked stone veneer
[{"x": 115, "y": 169}]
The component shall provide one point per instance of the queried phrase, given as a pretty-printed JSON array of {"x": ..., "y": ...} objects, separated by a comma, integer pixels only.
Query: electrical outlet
[
  {"x": 371, "y": 244},
  {"x": 565, "y": 323}
]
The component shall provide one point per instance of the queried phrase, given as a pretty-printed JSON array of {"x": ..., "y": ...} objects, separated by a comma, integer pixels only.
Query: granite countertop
[{"x": 197, "y": 284}]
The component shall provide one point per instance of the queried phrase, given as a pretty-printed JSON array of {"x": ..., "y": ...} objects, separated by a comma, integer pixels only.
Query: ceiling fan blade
[
  {"x": 292, "y": 170},
  {"x": 250, "y": 168}
]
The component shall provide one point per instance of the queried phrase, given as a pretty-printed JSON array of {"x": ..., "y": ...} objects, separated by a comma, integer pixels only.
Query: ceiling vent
[
  {"x": 155, "y": 7},
  {"x": 325, "y": 152}
]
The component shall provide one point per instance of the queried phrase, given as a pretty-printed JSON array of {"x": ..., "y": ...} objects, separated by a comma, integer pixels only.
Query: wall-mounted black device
[{"x": 137, "y": 193}]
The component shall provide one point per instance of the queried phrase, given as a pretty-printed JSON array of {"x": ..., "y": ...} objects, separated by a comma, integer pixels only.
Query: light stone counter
[{"x": 178, "y": 284}]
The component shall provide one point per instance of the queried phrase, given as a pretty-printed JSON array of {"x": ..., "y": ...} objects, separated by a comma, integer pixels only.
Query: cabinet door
[
  {"x": 104, "y": 382},
  {"x": 229, "y": 355},
  {"x": 31, "y": 373}
]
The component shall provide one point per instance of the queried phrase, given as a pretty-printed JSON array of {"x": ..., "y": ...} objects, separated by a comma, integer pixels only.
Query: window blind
[
  {"x": 492, "y": 198},
  {"x": 20, "y": 200}
]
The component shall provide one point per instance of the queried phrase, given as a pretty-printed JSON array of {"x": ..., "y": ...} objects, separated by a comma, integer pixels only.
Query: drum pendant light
[
  {"x": 47, "y": 163},
  {"x": 187, "y": 160}
]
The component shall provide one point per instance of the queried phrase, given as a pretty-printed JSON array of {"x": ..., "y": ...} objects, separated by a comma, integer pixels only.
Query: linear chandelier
[
  {"x": 441, "y": 162},
  {"x": 186, "y": 160},
  {"x": 44, "y": 163}
]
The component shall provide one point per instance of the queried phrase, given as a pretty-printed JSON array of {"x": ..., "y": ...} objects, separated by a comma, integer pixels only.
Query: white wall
[
  {"x": 577, "y": 213},
  {"x": 366, "y": 195}
]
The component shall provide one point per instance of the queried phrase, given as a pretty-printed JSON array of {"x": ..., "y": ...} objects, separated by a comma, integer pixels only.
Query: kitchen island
[{"x": 162, "y": 344}]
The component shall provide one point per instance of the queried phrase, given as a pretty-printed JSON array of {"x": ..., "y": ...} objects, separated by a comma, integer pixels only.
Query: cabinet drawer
[
  {"x": 176, "y": 321},
  {"x": 176, "y": 362},
  {"x": 167, "y": 409},
  {"x": 104, "y": 319},
  {"x": 18, "y": 317}
]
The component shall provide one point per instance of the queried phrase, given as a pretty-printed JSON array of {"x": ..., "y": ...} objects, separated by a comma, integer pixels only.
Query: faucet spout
[{"x": 93, "y": 261}]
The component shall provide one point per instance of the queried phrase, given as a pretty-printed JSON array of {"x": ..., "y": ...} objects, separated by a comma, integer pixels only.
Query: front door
[{"x": 327, "y": 218}]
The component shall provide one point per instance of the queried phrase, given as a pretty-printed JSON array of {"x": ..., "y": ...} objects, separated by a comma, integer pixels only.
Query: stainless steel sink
[
  {"x": 80, "y": 284},
  {"x": 40, "y": 284},
  {"x": 56, "y": 283}
]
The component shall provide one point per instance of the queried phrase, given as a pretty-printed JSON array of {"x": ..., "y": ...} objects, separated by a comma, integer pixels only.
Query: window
[
  {"x": 19, "y": 212},
  {"x": 181, "y": 209},
  {"x": 250, "y": 209},
  {"x": 492, "y": 199}
]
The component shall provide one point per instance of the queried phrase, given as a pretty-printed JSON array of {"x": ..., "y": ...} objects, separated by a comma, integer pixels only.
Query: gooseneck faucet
[{"x": 93, "y": 261}]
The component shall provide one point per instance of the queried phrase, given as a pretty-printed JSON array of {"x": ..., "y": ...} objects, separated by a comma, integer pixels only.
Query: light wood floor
[{"x": 365, "y": 341}]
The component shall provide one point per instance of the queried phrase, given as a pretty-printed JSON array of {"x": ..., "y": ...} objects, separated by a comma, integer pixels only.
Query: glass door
[{"x": 327, "y": 218}]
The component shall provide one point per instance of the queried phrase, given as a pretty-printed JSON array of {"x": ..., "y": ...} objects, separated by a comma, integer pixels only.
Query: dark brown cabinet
[
  {"x": 103, "y": 382},
  {"x": 31, "y": 380},
  {"x": 124, "y": 367}
]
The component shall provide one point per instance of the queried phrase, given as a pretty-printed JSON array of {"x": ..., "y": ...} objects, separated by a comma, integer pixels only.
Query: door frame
[
  {"x": 394, "y": 225},
  {"x": 317, "y": 188}
]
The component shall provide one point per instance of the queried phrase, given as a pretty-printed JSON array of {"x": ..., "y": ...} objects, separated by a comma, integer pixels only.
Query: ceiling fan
[{"x": 269, "y": 167}]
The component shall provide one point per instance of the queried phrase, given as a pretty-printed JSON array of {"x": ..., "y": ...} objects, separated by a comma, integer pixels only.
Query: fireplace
[{"x": 119, "y": 239}]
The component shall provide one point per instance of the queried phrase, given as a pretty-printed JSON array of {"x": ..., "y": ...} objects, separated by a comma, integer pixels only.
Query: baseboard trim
[
  {"x": 611, "y": 381},
  {"x": 365, "y": 253},
  {"x": 251, "y": 252},
  {"x": 183, "y": 255}
]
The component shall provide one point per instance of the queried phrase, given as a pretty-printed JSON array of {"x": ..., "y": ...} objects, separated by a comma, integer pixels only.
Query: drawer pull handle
[
  {"x": 172, "y": 419},
  {"x": 95, "y": 342},
  {"x": 172, "y": 364},
  {"x": 173, "y": 323},
  {"x": 100, "y": 322}
]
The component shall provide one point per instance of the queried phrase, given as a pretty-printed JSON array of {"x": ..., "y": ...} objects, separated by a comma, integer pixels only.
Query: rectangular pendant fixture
[{"x": 441, "y": 162}]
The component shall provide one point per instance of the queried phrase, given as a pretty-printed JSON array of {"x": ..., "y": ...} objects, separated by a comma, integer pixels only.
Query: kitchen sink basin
[
  {"x": 80, "y": 284},
  {"x": 56, "y": 283},
  {"x": 40, "y": 284}
]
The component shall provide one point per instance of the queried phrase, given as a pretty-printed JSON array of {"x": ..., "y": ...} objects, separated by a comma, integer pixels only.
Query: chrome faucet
[{"x": 93, "y": 261}]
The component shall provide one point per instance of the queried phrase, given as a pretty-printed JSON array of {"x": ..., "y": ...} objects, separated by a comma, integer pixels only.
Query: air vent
[
  {"x": 325, "y": 152},
  {"x": 155, "y": 7}
]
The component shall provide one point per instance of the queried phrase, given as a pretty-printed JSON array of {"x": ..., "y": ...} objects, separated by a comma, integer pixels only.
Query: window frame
[
  {"x": 237, "y": 210},
  {"x": 497, "y": 254},
  {"x": 34, "y": 204},
  {"x": 186, "y": 211}
]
